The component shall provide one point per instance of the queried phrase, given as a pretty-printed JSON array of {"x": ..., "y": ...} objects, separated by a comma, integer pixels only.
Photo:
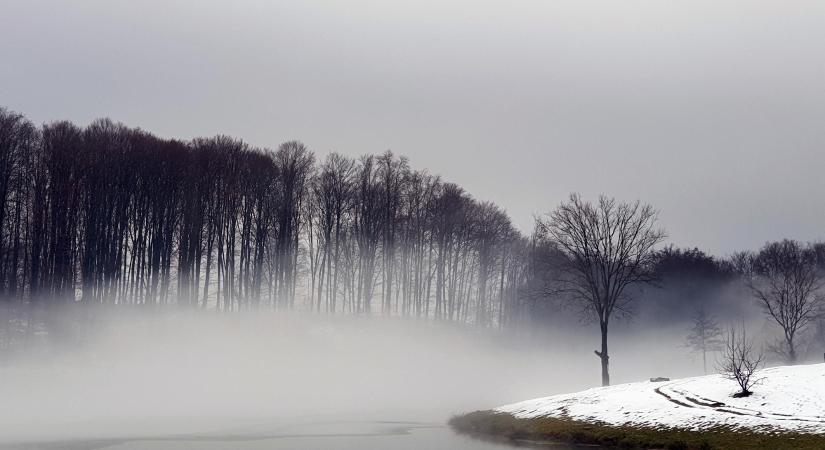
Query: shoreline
[{"x": 504, "y": 426}]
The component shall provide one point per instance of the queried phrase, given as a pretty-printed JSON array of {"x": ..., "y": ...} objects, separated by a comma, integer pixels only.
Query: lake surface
[{"x": 341, "y": 435}]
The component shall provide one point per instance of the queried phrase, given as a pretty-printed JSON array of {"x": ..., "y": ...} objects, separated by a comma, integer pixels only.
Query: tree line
[{"x": 108, "y": 214}]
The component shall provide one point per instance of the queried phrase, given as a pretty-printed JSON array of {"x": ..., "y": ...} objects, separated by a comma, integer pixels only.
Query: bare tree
[
  {"x": 740, "y": 361},
  {"x": 18, "y": 138},
  {"x": 332, "y": 193},
  {"x": 391, "y": 171},
  {"x": 609, "y": 248},
  {"x": 295, "y": 165},
  {"x": 786, "y": 281},
  {"x": 705, "y": 335},
  {"x": 490, "y": 228}
]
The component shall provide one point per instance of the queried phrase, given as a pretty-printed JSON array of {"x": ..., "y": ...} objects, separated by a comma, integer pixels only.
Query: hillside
[
  {"x": 790, "y": 399},
  {"x": 786, "y": 410}
]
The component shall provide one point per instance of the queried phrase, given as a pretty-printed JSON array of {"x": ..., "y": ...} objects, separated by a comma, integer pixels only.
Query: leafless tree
[
  {"x": 295, "y": 165},
  {"x": 609, "y": 248},
  {"x": 332, "y": 196},
  {"x": 491, "y": 229},
  {"x": 391, "y": 171},
  {"x": 18, "y": 138},
  {"x": 739, "y": 361},
  {"x": 705, "y": 335},
  {"x": 786, "y": 281}
]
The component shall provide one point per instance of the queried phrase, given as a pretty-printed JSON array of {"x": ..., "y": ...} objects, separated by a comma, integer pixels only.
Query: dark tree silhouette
[
  {"x": 740, "y": 361},
  {"x": 609, "y": 248}
]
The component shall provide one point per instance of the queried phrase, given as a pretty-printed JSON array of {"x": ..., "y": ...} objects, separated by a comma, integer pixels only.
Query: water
[
  {"x": 283, "y": 382},
  {"x": 341, "y": 435}
]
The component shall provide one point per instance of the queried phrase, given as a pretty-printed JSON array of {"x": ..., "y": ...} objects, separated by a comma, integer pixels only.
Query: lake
[{"x": 338, "y": 435}]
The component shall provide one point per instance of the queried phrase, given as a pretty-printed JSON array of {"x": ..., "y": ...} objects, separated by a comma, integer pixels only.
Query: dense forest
[
  {"x": 111, "y": 215},
  {"x": 108, "y": 214}
]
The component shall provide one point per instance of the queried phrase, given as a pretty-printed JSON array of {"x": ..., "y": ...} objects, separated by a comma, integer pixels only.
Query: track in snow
[{"x": 685, "y": 398}]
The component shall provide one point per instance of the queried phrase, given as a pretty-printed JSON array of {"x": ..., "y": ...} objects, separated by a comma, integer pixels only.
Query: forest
[
  {"x": 112, "y": 215},
  {"x": 107, "y": 214}
]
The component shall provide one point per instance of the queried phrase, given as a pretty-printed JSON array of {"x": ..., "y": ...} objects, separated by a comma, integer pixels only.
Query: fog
[{"x": 182, "y": 373}]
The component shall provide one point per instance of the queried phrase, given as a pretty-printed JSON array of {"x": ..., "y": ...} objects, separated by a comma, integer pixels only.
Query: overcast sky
[{"x": 713, "y": 111}]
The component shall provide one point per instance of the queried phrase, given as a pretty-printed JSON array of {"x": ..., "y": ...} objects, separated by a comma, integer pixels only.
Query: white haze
[{"x": 211, "y": 373}]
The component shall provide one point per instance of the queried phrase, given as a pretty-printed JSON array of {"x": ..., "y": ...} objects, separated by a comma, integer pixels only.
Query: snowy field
[{"x": 787, "y": 399}]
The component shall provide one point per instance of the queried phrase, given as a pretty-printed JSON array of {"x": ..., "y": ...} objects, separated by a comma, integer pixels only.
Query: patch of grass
[{"x": 504, "y": 426}]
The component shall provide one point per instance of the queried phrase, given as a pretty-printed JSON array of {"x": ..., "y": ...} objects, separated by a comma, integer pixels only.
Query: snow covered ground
[{"x": 790, "y": 398}]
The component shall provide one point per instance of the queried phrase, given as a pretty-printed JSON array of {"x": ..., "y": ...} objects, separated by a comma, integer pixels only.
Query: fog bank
[{"x": 203, "y": 373}]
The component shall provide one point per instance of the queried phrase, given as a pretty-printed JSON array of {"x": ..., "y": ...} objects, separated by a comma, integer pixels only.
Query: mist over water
[{"x": 144, "y": 375}]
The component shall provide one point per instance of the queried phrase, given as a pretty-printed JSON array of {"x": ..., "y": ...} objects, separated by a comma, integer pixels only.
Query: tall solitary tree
[{"x": 609, "y": 249}]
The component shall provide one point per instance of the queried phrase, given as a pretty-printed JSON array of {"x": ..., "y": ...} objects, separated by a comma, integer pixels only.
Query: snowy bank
[{"x": 788, "y": 399}]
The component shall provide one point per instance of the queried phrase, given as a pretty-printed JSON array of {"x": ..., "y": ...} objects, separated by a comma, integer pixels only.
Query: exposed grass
[{"x": 504, "y": 426}]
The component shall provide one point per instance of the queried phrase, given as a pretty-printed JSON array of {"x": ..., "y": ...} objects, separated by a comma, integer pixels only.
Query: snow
[{"x": 790, "y": 398}]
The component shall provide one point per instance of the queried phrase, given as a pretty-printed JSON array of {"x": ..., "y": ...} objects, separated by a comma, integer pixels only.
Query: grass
[{"x": 489, "y": 424}]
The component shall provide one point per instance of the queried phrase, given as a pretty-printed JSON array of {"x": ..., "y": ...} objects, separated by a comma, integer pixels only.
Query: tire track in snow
[{"x": 688, "y": 399}]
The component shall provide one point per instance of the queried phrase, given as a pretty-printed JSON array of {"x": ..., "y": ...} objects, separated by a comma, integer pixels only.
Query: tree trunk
[
  {"x": 603, "y": 356},
  {"x": 704, "y": 360},
  {"x": 791, "y": 351}
]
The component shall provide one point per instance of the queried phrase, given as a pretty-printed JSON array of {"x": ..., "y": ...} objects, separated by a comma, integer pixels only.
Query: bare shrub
[{"x": 740, "y": 361}]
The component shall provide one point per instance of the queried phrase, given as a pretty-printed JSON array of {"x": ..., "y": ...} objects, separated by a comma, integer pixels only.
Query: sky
[{"x": 712, "y": 111}]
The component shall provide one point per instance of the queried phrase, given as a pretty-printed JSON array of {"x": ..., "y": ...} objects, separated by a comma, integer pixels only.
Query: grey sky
[{"x": 713, "y": 111}]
